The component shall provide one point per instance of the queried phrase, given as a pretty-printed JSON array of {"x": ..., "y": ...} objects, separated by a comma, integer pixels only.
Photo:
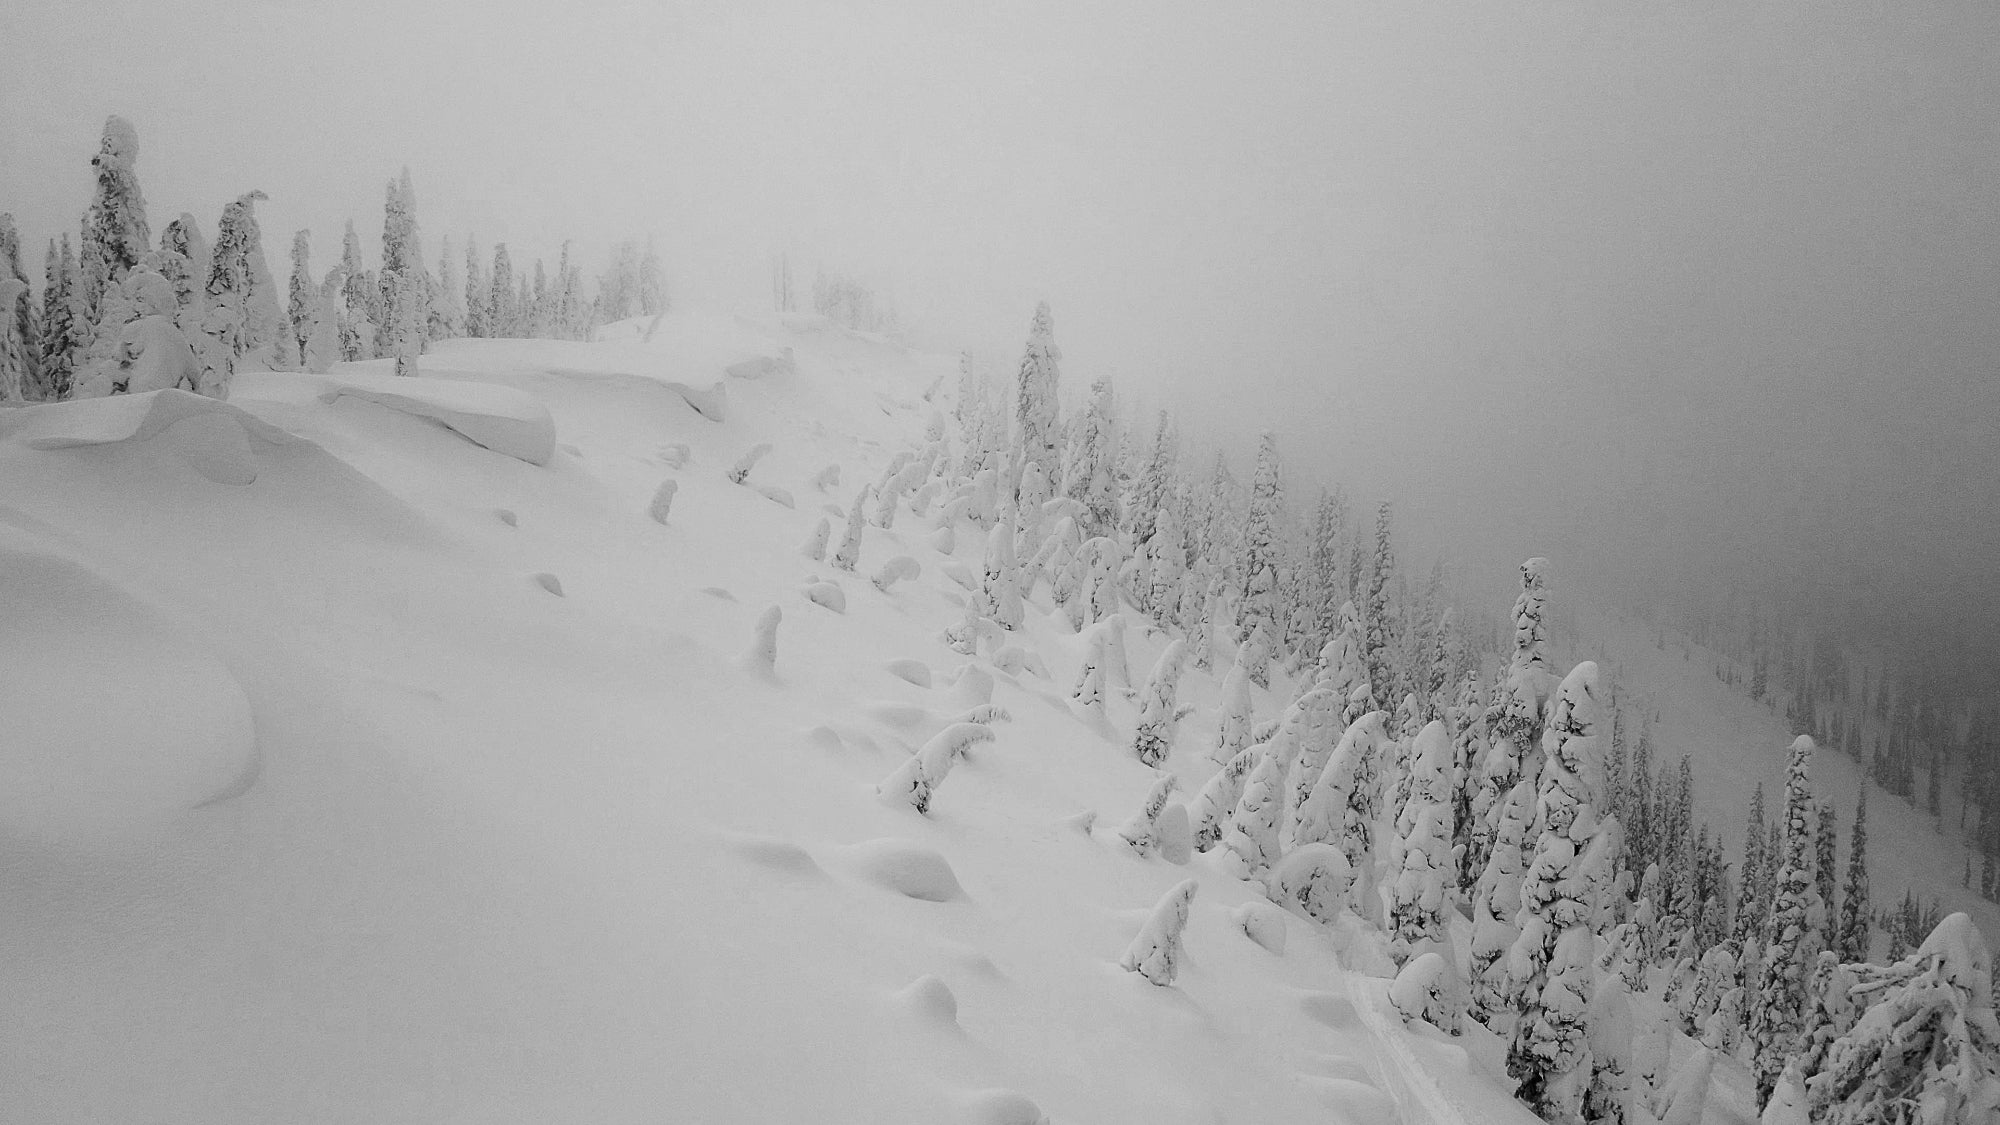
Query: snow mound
[
  {"x": 117, "y": 720},
  {"x": 931, "y": 1000},
  {"x": 1001, "y": 1107},
  {"x": 906, "y": 868},
  {"x": 781, "y": 856},
  {"x": 212, "y": 437},
  {"x": 502, "y": 419}
]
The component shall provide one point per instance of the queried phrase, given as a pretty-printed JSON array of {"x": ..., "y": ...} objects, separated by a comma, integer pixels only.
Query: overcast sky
[{"x": 1656, "y": 290}]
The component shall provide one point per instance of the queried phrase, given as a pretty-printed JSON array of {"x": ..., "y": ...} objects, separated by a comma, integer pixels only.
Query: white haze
[{"x": 1671, "y": 293}]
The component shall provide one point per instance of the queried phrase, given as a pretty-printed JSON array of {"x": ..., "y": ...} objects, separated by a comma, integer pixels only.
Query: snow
[
  {"x": 500, "y": 418},
  {"x": 403, "y": 838}
]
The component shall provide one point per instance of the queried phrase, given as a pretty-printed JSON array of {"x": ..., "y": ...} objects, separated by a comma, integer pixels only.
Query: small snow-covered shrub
[
  {"x": 828, "y": 595},
  {"x": 1141, "y": 832},
  {"x": 763, "y": 654},
  {"x": 1156, "y": 953},
  {"x": 849, "y": 552},
  {"x": 815, "y": 545},
  {"x": 1313, "y": 880},
  {"x": 1263, "y": 924},
  {"x": 663, "y": 500},
  {"x": 917, "y": 779},
  {"x": 901, "y": 568},
  {"x": 740, "y": 471}
]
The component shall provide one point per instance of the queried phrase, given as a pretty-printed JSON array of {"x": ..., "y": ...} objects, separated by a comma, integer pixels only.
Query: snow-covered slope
[
  {"x": 1735, "y": 743},
  {"x": 385, "y": 776}
]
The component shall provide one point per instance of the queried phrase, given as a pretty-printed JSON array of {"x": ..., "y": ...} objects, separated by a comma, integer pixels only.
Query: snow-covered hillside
[
  {"x": 366, "y": 768},
  {"x": 1736, "y": 743}
]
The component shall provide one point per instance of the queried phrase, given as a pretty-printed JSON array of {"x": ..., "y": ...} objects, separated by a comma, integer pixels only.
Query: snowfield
[{"x": 330, "y": 809}]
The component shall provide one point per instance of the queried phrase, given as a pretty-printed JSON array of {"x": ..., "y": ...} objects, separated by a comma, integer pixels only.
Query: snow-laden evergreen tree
[
  {"x": 1549, "y": 967},
  {"x": 478, "y": 293},
  {"x": 1343, "y": 664},
  {"x": 1423, "y": 867},
  {"x": 1150, "y": 489},
  {"x": 1209, "y": 815},
  {"x": 20, "y": 344},
  {"x": 849, "y": 552},
  {"x": 1235, "y": 717},
  {"x": 358, "y": 329},
  {"x": 1344, "y": 804},
  {"x": 503, "y": 312},
  {"x": 1000, "y": 586},
  {"x": 1826, "y": 876},
  {"x": 1089, "y": 468},
  {"x": 1154, "y": 739},
  {"x": 916, "y": 781},
  {"x": 1854, "y": 943},
  {"x": 301, "y": 294},
  {"x": 1260, "y": 550},
  {"x": 1753, "y": 908},
  {"x": 1683, "y": 1100},
  {"x": 652, "y": 284},
  {"x": 1166, "y": 559},
  {"x": 1496, "y": 902},
  {"x": 1927, "y": 1049},
  {"x": 1525, "y": 683},
  {"x": 1036, "y": 387},
  {"x": 223, "y": 341},
  {"x": 1778, "y": 1004},
  {"x": 59, "y": 325},
  {"x": 1308, "y": 731},
  {"x": 115, "y": 233},
  {"x": 1467, "y": 723},
  {"x": 1088, "y": 690},
  {"x": 1253, "y": 834},
  {"x": 1156, "y": 953},
  {"x": 1381, "y": 666},
  {"x": 1142, "y": 832}
]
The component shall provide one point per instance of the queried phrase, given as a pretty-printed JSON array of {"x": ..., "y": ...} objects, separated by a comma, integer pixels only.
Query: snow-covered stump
[
  {"x": 917, "y": 779},
  {"x": 1157, "y": 953},
  {"x": 1142, "y": 832},
  {"x": 849, "y": 552},
  {"x": 1427, "y": 989},
  {"x": 815, "y": 544},
  {"x": 663, "y": 501},
  {"x": 1154, "y": 739},
  {"x": 762, "y": 658},
  {"x": 899, "y": 569},
  {"x": 740, "y": 471}
]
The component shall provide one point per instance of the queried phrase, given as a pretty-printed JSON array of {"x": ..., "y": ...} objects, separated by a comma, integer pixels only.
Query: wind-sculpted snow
[
  {"x": 502, "y": 419},
  {"x": 117, "y": 719}
]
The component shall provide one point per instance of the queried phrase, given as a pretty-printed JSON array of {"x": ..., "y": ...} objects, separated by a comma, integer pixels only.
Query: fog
[{"x": 1682, "y": 296}]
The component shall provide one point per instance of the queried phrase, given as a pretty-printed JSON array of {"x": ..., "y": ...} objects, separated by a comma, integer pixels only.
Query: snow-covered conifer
[
  {"x": 1000, "y": 583},
  {"x": 1036, "y": 388},
  {"x": 1216, "y": 803},
  {"x": 1342, "y": 807},
  {"x": 478, "y": 293},
  {"x": 1496, "y": 902},
  {"x": 740, "y": 471},
  {"x": 652, "y": 284},
  {"x": 1089, "y": 469},
  {"x": 1253, "y": 834},
  {"x": 1234, "y": 719},
  {"x": 1142, "y": 832},
  {"x": 1381, "y": 667},
  {"x": 1313, "y": 880},
  {"x": 1260, "y": 537},
  {"x": 1778, "y": 1004},
  {"x": 1685, "y": 1098},
  {"x": 301, "y": 295},
  {"x": 899, "y": 569},
  {"x": 1549, "y": 966},
  {"x": 1156, "y": 953},
  {"x": 1927, "y": 1049},
  {"x": 917, "y": 779},
  {"x": 1422, "y": 860},
  {"x": 848, "y": 554},
  {"x": 115, "y": 232},
  {"x": 1517, "y": 715},
  {"x": 1154, "y": 739},
  {"x": 1854, "y": 911},
  {"x": 20, "y": 350},
  {"x": 503, "y": 311},
  {"x": 1088, "y": 690},
  {"x": 1427, "y": 989}
]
